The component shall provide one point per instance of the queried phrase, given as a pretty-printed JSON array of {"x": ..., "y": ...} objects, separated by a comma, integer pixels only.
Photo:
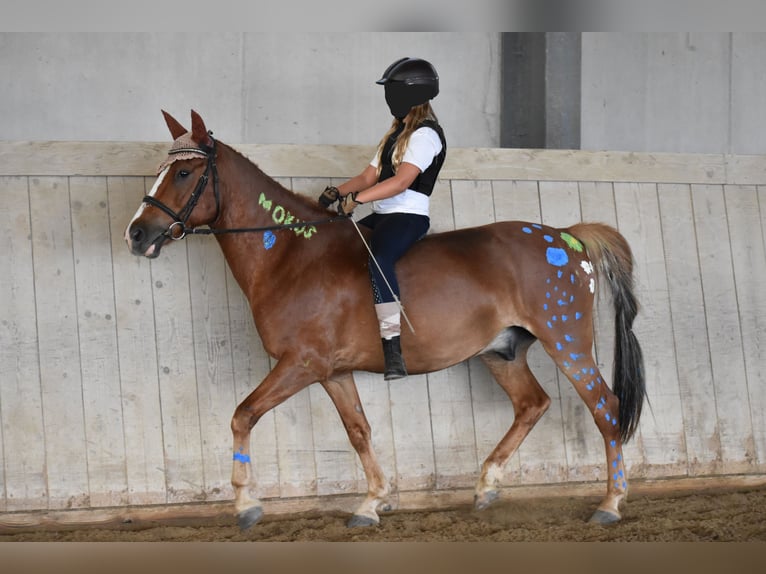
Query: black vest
[{"x": 425, "y": 182}]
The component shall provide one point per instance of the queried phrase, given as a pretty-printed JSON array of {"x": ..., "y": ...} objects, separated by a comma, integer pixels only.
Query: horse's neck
[{"x": 251, "y": 199}]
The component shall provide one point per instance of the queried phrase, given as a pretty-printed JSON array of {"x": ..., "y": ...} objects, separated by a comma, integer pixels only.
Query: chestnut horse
[{"x": 488, "y": 291}]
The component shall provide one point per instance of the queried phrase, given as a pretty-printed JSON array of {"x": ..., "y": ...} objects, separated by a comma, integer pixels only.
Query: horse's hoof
[
  {"x": 604, "y": 517},
  {"x": 249, "y": 517},
  {"x": 486, "y": 498},
  {"x": 357, "y": 521}
]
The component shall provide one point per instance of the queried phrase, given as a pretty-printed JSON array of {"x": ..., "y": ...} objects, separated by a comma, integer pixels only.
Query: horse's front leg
[
  {"x": 344, "y": 395},
  {"x": 287, "y": 378}
]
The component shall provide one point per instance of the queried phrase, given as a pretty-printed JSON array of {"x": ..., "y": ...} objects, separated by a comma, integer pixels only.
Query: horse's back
[{"x": 495, "y": 251}]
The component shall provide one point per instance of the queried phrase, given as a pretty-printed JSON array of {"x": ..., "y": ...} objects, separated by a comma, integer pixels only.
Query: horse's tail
[{"x": 613, "y": 260}]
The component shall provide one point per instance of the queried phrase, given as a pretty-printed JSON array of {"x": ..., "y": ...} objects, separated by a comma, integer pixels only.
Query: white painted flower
[
  {"x": 592, "y": 285},
  {"x": 587, "y": 266}
]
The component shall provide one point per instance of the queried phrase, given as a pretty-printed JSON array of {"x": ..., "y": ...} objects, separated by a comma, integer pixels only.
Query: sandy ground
[{"x": 738, "y": 516}]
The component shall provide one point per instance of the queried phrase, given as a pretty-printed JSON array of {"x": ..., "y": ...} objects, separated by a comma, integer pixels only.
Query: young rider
[{"x": 398, "y": 181}]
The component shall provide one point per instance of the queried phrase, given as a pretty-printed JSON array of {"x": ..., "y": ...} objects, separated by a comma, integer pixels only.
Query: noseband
[{"x": 178, "y": 230}]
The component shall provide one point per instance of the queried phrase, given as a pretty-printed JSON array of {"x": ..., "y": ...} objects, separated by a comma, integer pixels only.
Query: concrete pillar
[
  {"x": 562, "y": 90},
  {"x": 540, "y": 90}
]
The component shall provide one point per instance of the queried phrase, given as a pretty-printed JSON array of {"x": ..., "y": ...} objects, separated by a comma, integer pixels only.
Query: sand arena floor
[{"x": 720, "y": 515}]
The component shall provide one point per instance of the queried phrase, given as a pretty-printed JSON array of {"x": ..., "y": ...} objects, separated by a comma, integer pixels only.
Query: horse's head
[{"x": 177, "y": 202}]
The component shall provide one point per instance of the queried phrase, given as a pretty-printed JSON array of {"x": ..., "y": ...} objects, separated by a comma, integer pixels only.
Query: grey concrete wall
[
  {"x": 675, "y": 92},
  {"x": 256, "y": 87}
]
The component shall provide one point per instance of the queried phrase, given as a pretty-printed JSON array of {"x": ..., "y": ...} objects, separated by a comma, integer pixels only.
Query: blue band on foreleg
[{"x": 241, "y": 457}]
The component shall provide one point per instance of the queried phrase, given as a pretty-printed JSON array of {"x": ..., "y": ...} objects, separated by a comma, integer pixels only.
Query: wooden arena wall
[{"x": 119, "y": 375}]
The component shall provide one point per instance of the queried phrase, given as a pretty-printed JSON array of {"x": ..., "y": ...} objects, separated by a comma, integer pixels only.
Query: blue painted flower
[{"x": 556, "y": 256}]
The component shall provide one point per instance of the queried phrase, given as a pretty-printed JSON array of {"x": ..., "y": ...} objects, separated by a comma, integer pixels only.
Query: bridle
[{"x": 178, "y": 230}]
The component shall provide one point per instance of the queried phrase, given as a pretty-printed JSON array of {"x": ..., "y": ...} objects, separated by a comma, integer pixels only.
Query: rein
[
  {"x": 178, "y": 230},
  {"x": 211, "y": 231}
]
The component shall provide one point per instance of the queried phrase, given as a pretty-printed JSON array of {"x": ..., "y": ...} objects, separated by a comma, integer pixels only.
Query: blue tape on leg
[{"x": 241, "y": 457}]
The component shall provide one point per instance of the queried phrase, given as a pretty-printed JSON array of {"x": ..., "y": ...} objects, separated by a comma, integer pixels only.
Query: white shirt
[{"x": 423, "y": 147}]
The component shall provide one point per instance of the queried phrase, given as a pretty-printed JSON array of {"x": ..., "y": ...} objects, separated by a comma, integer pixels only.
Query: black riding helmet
[{"x": 409, "y": 82}]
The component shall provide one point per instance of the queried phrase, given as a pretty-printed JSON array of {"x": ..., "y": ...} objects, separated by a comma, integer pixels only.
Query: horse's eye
[{"x": 182, "y": 173}]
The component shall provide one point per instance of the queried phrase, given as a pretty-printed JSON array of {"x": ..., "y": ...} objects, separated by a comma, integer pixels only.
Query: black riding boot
[{"x": 392, "y": 353}]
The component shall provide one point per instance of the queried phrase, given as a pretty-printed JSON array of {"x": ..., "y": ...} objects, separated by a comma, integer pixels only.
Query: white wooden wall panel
[
  {"x": 724, "y": 330},
  {"x": 97, "y": 330},
  {"x": 137, "y": 352},
  {"x": 119, "y": 375},
  {"x": 748, "y": 257},
  {"x": 295, "y": 444},
  {"x": 25, "y": 480},
  {"x": 181, "y": 424},
  {"x": 757, "y": 384},
  {"x": 212, "y": 356},
  {"x": 452, "y": 422},
  {"x": 442, "y": 217},
  {"x": 690, "y": 337},
  {"x": 336, "y": 470},
  {"x": 662, "y": 426},
  {"x": 58, "y": 340},
  {"x": 411, "y": 428}
]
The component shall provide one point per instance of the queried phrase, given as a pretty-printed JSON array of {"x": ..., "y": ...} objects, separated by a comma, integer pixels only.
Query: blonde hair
[{"x": 412, "y": 121}]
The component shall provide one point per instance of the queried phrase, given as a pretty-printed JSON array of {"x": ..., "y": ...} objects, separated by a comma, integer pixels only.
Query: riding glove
[
  {"x": 329, "y": 196},
  {"x": 348, "y": 204}
]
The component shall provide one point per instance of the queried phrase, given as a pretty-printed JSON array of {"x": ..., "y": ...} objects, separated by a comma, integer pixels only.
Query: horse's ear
[
  {"x": 199, "y": 131},
  {"x": 176, "y": 129}
]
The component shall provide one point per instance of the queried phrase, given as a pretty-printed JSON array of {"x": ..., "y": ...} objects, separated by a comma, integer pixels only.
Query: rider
[{"x": 398, "y": 181}]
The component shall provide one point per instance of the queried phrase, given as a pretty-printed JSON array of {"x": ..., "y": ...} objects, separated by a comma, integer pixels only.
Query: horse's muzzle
[{"x": 143, "y": 241}]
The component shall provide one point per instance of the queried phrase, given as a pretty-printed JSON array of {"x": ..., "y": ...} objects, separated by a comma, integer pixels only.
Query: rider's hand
[
  {"x": 348, "y": 204},
  {"x": 329, "y": 196}
]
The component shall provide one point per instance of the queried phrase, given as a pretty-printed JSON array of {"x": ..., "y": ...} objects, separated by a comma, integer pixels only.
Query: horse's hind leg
[
  {"x": 580, "y": 368},
  {"x": 344, "y": 395},
  {"x": 530, "y": 402}
]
